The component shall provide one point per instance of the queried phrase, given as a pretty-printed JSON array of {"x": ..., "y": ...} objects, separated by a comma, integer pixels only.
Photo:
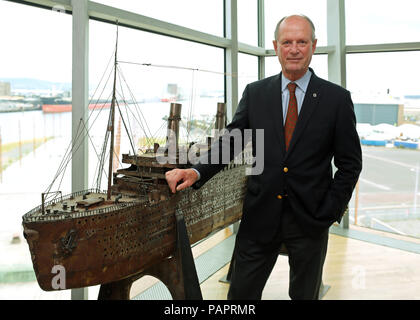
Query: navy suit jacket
[{"x": 325, "y": 131}]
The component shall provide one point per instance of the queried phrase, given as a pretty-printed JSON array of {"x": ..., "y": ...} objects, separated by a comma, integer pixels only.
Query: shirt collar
[{"x": 302, "y": 83}]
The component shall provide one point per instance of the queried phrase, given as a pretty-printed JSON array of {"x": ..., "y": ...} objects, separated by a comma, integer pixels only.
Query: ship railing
[
  {"x": 45, "y": 194},
  {"x": 27, "y": 216},
  {"x": 62, "y": 198}
]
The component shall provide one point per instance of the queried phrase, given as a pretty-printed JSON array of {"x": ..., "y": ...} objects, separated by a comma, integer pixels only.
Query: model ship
[{"x": 103, "y": 237}]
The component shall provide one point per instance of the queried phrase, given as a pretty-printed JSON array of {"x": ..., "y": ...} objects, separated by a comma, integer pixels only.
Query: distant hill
[{"x": 35, "y": 84}]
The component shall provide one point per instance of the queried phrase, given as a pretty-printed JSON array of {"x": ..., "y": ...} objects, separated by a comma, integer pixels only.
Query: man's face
[{"x": 294, "y": 47}]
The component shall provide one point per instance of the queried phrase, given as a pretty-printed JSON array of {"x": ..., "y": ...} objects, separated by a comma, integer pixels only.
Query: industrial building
[{"x": 5, "y": 89}]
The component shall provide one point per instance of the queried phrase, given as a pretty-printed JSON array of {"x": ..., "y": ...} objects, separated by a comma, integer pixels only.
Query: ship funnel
[
  {"x": 220, "y": 123},
  {"x": 220, "y": 116},
  {"x": 172, "y": 137}
]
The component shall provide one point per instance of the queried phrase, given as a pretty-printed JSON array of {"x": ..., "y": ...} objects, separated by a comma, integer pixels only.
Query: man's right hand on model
[{"x": 187, "y": 176}]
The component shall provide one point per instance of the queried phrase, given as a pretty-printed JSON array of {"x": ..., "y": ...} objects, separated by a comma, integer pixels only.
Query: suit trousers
[{"x": 253, "y": 261}]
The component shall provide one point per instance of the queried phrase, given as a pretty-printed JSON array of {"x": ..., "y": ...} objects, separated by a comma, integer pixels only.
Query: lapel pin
[{"x": 314, "y": 95}]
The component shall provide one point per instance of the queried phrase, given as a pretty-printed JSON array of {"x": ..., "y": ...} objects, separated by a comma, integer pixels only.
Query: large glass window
[
  {"x": 149, "y": 78},
  {"x": 247, "y": 71},
  {"x": 319, "y": 64},
  {"x": 388, "y": 73},
  {"x": 248, "y": 22},
  {"x": 316, "y": 10},
  {"x": 382, "y": 21},
  {"x": 387, "y": 106},
  {"x": 205, "y": 16},
  {"x": 36, "y": 66},
  {"x": 35, "y": 70}
]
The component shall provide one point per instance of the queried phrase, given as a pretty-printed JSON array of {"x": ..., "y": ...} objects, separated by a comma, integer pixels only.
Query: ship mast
[{"x": 112, "y": 121}]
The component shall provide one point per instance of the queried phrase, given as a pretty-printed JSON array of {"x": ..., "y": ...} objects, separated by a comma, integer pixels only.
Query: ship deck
[
  {"x": 79, "y": 204},
  {"x": 361, "y": 264}
]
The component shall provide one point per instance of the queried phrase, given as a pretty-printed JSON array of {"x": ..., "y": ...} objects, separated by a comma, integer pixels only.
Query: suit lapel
[
  {"x": 310, "y": 103},
  {"x": 275, "y": 103}
]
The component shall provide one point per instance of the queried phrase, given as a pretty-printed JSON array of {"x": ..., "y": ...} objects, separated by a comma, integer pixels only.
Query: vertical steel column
[
  {"x": 231, "y": 57},
  {"x": 231, "y": 65},
  {"x": 336, "y": 30},
  {"x": 261, "y": 38},
  {"x": 80, "y": 89}
]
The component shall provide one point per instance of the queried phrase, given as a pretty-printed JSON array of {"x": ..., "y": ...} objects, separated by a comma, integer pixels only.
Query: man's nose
[{"x": 294, "y": 48}]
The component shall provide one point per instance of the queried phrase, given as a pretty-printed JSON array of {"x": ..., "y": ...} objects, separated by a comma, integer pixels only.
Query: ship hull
[
  {"x": 59, "y": 108},
  {"x": 99, "y": 248}
]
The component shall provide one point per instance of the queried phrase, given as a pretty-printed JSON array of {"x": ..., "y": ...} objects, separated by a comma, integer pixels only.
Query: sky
[{"x": 36, "y": 43}]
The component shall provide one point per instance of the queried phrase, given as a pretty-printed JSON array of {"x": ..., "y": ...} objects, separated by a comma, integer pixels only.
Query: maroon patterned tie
[{"x": 292, "y": 115}]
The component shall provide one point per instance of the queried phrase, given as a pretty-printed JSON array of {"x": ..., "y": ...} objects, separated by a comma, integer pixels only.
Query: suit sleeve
[
  {"x": 224, "y": 144},
  {"x": 347, "y": 156}
]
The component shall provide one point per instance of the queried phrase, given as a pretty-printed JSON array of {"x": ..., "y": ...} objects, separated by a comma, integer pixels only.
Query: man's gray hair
[{"x": 276, "y": 32}]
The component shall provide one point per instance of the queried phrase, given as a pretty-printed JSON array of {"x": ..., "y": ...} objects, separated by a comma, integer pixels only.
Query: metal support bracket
[{"x": 183, "y": 248}]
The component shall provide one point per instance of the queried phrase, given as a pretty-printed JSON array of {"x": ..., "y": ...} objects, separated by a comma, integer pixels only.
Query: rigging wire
[
  {"x": 131, "y": 111},
  {"x": 69, "y": 152},
  {"x": 141, "y": 119},
  {"x": 100, "y": 81},
  {"x": 63, "y": 161},
  {"x": 138, "y": 109},
  {"x": 68, "y": 155},
  {"x": 100, "y": 166},
  {"x": 190, "y": 111},
  {"x": 93, "y": 145},
  {"x": 174, "y": 67},
  {"x": 130, "y": 134},
  {"x": 193, "y": 87},
  {"x": 126, "y": 129}
]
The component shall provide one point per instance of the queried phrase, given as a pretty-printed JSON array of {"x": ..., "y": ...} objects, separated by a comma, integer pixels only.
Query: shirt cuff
[{"x": 198, "y": 173}]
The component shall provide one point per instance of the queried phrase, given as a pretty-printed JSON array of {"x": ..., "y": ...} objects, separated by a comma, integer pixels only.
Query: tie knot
[{"x": 292, "y": 87}]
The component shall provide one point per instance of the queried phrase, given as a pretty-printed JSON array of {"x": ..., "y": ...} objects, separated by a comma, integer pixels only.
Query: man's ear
[
  {"x": 275, "y": 45},
  {"x": 314, "y": 45}
]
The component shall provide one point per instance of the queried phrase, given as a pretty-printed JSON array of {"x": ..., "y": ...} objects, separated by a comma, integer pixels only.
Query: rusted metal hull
[{"x": 126, "y": 239}]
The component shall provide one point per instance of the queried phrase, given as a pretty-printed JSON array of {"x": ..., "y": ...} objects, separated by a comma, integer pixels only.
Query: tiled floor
[{"x": 354, "y": 269}]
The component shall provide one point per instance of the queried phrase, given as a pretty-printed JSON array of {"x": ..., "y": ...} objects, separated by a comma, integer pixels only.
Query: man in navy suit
[{"x": 307, "y": 122}]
